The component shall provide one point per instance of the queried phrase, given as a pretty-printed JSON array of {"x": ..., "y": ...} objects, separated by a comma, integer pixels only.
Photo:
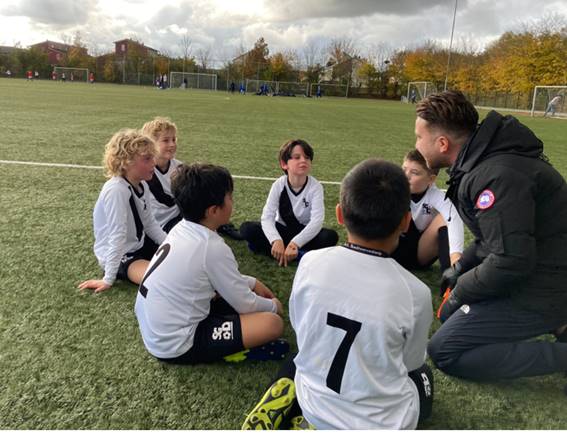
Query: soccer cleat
[
  {"x": 274, "y": 350},
  {"x": 300, "y": 423},
  {"x": 273, "y": 407},
  {"x": 230, "y": 231}
]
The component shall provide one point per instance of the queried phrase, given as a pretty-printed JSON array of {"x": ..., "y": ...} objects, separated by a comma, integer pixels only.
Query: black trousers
[
  {"x": 486, "y": 341},
  {"x": 254, "y": 235},
  {"x": 422, "y": 377}
]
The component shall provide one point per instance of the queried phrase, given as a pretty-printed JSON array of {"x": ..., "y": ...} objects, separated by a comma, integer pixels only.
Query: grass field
[{"x": 72, "y": 360}]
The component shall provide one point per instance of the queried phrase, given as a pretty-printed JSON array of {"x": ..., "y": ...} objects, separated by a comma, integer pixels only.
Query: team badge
[{"x": 485, "y": 200}]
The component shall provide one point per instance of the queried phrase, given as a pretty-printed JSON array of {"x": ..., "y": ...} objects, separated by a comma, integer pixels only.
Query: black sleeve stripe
[{"x": 157, "y": 190}]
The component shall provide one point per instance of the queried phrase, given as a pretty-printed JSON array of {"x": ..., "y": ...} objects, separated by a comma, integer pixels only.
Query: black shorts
[
  {"x": 218, "y": 335},
  {"x": 406, "y": 252},
  {"x": 146, "y": 252}
]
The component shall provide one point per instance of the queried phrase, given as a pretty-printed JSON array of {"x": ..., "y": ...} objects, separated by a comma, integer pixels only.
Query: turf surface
[{"x": 71, "y": 360}]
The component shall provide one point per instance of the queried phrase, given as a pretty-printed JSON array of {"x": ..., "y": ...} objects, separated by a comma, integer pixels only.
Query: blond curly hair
[
  {"x": 123, "y": 148},
  {"x": 157, "y": 126}
]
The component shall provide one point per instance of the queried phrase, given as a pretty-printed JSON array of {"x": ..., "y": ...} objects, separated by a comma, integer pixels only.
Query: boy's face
[
  {"x": 142, "y": 168},
  {"x": 419, "y": 177},
  {"x": 299, "y": 164},
  {"x": 167, "y": 144}
]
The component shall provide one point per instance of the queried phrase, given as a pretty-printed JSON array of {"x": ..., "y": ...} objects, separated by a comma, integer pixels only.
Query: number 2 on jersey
[
  {"x": 161, "y": 253},
  {"x": 337, "y": 370}
]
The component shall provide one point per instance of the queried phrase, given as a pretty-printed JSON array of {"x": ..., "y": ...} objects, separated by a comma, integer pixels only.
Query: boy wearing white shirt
[
  {"x": 361, "y": 320},
  {"x": 292, "y": 219},
  {"x": 193, "y": 305}
]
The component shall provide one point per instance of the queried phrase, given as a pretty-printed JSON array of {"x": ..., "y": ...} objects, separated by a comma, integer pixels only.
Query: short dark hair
[
  {"x": 415, "y": 156},
  {"x": 450, "y": 111},
  {"x": 288, "y": 146},
  {"x": 375, "y": 196},
  {"x": 198, "y": 186}
]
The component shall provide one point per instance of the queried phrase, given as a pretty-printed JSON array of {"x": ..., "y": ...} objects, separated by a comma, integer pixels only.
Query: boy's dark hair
[
  {"x": 450, "y": 111},
  {"x": 415, "y": 156},
  {"x": 287, "y": 148},
  {"x": 375, "y": 196},
  {"x": 198, "y": 186}
]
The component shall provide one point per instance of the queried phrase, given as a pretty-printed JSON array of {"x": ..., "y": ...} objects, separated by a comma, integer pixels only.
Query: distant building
[
  {"x": 125, "y": 46},
  {"x": 5, "y": 50},
  {"x": 56, "y": 51}
]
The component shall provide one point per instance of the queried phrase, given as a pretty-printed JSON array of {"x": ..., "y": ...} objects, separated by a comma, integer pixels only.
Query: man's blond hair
[
  {"x": 123, "y": 148},
  {"x": 157, "y": 126}
]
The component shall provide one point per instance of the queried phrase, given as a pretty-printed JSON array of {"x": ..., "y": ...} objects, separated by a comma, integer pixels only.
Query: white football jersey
[
  {"x": 191, "y": 264},
  {"x": 425, "y": 210},
  {"x": 121, "y": 218},
  {"x": 307, "y": 206},
  {"x": 163, "y": 205},
  {"x": 362, "y": 323}
]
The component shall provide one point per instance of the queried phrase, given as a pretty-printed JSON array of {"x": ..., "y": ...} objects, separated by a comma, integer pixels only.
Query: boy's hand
[
  {"x": 290, "y": 253},
  {"x": 98, "y": 285},
  {"x": 278, "y": 250},
  {"x": 261, "y": 290},
  {"x": 278, "y": 306}
]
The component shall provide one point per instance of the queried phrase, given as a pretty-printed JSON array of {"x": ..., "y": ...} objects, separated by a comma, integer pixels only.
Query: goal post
[
  {"x": 292, "y": 88},
  {"x": 417, "y": 91},
  {"x": 543, "y": 96},
  {"x": 189, "y": 80},
  {"x": 329, "y": 90},
  {"x": 71, "y": 74},
  {"x": 253, "y": 86}
]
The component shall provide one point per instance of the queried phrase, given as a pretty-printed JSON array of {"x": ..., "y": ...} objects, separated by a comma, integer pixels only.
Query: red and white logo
[{"x": 485, "y": 200}]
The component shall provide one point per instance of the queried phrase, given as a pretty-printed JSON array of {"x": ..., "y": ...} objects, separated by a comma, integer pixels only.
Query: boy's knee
[
  {"x": 275, "y": 325},
  {"x": 248, "y": 229}
]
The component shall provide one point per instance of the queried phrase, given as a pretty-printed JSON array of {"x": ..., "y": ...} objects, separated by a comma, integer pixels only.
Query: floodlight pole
[{"x": 450, "y": 46}]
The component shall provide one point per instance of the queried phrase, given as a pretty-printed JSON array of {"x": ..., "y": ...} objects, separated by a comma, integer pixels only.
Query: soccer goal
[
  {"x": 417, "y": 91},
  {"x": 186, "y": 80},
  {"x": 329, "y": 90},
  {"x": 549, "y": 100},
  {"x": 291, "y": 89},
  {"x": 254, "y": 86},
  {"x": 71, "y": 74}
]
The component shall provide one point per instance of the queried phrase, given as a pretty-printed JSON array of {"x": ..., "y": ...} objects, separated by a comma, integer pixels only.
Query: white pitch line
[{"x": 69, "y": 165}]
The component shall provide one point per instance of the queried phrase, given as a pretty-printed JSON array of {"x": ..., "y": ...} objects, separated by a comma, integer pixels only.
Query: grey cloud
[{"x": 53, "y": 12}]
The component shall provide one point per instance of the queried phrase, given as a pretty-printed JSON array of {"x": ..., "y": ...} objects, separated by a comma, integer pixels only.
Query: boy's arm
[
  {"x": 222, "y": 270},
  {"x": 455, "y": 226},
  {"x": 316, "y": 222},
  {"x": 416, "y": 343},
  {"x": 116, "y": 210},
  {"x": 268, "y": 220}
]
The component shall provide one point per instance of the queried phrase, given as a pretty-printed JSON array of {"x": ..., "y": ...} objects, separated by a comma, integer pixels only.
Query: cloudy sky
[{"x": 223, "y": 26}]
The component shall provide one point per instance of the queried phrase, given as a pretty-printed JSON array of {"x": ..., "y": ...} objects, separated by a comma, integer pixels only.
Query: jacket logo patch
[{"x": 485, "y": 200}]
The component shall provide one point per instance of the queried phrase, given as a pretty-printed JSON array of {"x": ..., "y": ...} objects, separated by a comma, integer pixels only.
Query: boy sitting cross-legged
[
  {"x": 292, "y": 219},
  {"x": 193, "y": 305},
  {"x": 361, "y": 320}
]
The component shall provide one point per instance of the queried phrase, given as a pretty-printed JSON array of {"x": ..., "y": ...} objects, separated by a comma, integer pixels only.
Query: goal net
[
  {"x": 71, "y": 74},
  {"x": 417, "y": 91},
  {"x": 549, "y": 101},
  {"x": 255, "y": 86},
  {"x": 291, "y": 89},
  {"x": 328, "y": 90},
  {"x": 187, "y": 80}
]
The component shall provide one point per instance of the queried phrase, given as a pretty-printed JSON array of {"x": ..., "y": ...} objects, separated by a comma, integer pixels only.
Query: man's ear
[
  {"x": 339, "y": 214},
  {"x": 444, "y": 144}
]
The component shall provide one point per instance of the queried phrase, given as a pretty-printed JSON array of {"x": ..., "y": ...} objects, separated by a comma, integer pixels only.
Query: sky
[{"x": 223, "y": 27}]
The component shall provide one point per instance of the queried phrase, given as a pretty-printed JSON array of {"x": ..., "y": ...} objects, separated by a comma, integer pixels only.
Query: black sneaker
[{"x": 230, "y": 231}]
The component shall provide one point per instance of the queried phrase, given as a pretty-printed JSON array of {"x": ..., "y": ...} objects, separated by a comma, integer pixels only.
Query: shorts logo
[
  {"x": 223, "y": 332},
  {"x": 426, "y": 384},
  {"x": 485, "y": 200}
]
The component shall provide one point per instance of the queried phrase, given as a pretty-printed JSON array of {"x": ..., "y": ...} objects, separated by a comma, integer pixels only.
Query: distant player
[
  {"x": 126, "y": 233},
  {"x": 29, "y": 75},
  {"x": 53, "y": 75},
  {"x": 361, "y": 320},
  {"x": 164, "y": 134},
  {"x": 292, "y": 219},
  {"x": 91, "y": 77},
  {"x": 436, "y": 230},
  {"x": 552, "y": 106},
  {"x": 193, "y": 305}
]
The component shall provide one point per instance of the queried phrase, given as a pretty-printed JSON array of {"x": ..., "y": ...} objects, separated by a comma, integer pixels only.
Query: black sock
[{"x": 443, "y": 246}]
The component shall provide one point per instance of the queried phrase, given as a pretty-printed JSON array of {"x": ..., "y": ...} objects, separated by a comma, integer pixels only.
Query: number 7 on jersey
[{"x": 337, "y": 370}]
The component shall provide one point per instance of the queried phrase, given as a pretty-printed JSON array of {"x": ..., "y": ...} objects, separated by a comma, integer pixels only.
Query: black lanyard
[{"x": 358, "y": 248}]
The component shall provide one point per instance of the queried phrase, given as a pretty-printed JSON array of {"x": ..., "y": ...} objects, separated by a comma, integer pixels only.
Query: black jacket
[{"x": 515, "y": 204}]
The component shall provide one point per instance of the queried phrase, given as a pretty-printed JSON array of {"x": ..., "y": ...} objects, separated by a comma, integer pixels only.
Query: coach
[{"x": 511, "y": 283}]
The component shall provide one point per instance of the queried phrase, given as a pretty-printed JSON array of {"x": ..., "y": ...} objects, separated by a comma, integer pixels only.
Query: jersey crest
[{"x": 485, "y": 200}]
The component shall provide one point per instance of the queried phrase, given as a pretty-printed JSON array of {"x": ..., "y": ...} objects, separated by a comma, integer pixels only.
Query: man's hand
[
  {"x": 449, "y": 277},
  {"x": 450, "y": 304},
  {"x": 278, "y": 250},
  {"x": 98, "y": 285},
  {"x": 262, "y": 290}
]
